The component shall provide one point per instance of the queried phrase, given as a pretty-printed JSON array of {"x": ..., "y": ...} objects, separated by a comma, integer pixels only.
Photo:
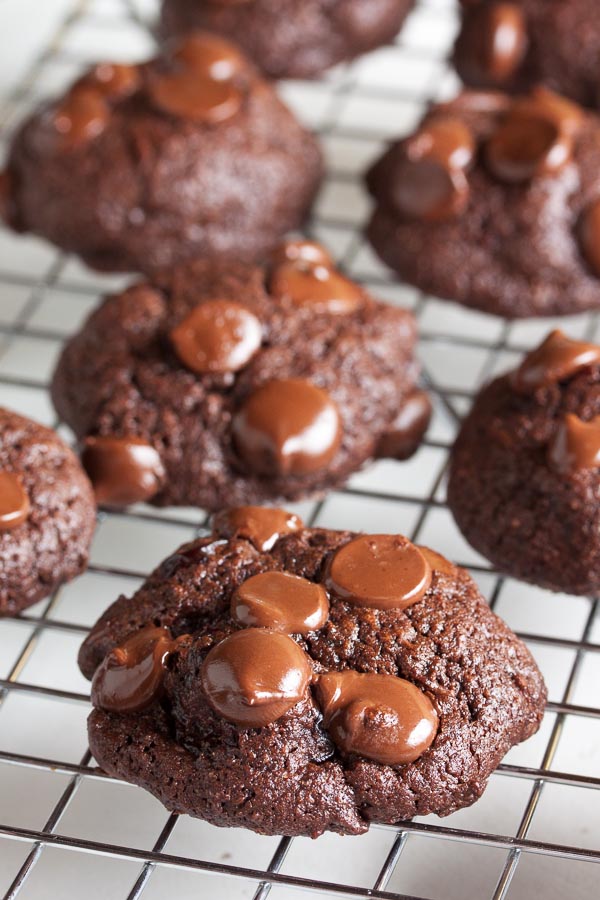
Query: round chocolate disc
[
  {"x": 82, "y": 116},
  {"x": 218, "y": 336},
  {"x": 317, "y": 286},
  {"x": 123, "y": 470},
  {"x": 558, "y": 357},
  {"x": 188, "y": 95},
  {"x": 258, "y": 524},
  {"x": 130, "y": 677},
  {"x": 14, "y": 502},
  {"x": 282, "y": 602}
]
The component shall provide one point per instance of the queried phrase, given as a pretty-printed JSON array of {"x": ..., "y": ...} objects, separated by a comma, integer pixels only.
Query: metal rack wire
[{"x": 530, "y": 838}]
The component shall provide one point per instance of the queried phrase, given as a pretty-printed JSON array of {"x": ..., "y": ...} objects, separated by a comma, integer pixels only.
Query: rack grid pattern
[{"x": 65, "y": 827}]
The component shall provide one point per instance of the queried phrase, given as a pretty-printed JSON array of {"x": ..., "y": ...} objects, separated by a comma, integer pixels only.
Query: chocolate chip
[
  {"x": 188, "y": 95},
  {"x": 302, "y": 251},
  {"x": 406, "y": 432},
  {"x": 428, "y": 190},
  {"x": 288, "y": 427},
  {"x": 590, "y": 236},
  {"x": 321, "y": 288},
  {"x": 282, "y": 602},
  {"x": 130, "y": 677},
  {"x": 14, "y": 502},
  {"x": 437, "y": 562},
  {"x": 123, "y": 470},
  {"x": 493, "y": 42},
  {"x": 262, "y": 526},
  {"x": 112, "y": 80},
  {"x": 380, "y": 571},
  {"x": 81, "y": 117},
  {"x": 380, "y": 717},
  {"x": 575, "y": 445},
  {"x": 210, "y": 56},
  {"x": 557, "y": 358},
  {"x": 217, "y": 336},
  {"x": 255, "y": 676}
]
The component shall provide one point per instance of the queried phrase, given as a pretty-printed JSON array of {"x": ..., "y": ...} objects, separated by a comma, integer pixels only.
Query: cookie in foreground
[
  {"x": 142, "y": 166},
  {"x": 525, "y": 470},
  {"x": 216, "y": 385},
  {"x": 494, "y": 202},
  {"x": 296, "y": 680},
  {"x": 47, "y": 513},
  {"x": 287, "y": 39}
]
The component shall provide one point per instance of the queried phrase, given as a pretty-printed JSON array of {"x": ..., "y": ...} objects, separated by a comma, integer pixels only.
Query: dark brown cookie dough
[
  {"x": 213, "y": 693},
  {"x": 47, "y": 513},
  {"x": 517, "y": 44},
  {"x": 495, "y": 203},
  {"x": 218, "y": 385},
  {"x": 287, "y": 39},
  {"x": 189, "y": 155},
  {"x": 525, "y": 471}
]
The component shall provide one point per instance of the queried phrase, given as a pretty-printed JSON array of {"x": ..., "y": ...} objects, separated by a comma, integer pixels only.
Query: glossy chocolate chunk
[
  {"x": 493, "y": 41},
  {"x": 380, "y": 717},
  {"x": 437, "y": 562},
  {"x": 302, "y": 251},
  {"x": 112, "y": 80},
  {"x": 556, "y": 359},
  {"x": 288, "y": 427},
  {"x": 255, "y": 676},
  {"x": 14, "y": 502},
  {"x": 381, "y": 571},
  {"x": 317, "y": 286},
  {"x": 444, "y": 138},
  {"x": 188, "y": 95},
  {"x": 81, "y": 116},
  {"x": 210, "y": 56},
  {"x": 218, "y": 336},
  {"x": 123, "y": 470},
  {"x": 590, "y": 236},
  {"x": 282, "y": 602},
  {"x": 258, "y": 524},
  {"x": 131, "y": 676},
  {"x": 406, "y": 431},
  {"x": 575, "y": 445}
]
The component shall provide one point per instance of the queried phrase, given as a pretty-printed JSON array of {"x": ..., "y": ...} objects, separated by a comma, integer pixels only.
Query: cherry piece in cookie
[
  {"x": 123, "y": 470},
  {"x": 287, "y": 426},
  {"x": 14, "y": 502},
  {"x": 380, "y": 717},
  {"x": 280, "y": 601},
  {"x": 381, "y": 571},
  {"x": 255, "y": 676}
]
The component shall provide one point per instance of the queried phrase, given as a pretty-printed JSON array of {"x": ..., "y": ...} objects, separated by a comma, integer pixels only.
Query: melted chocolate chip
[
  {"x": 217, "y": 336},
  {"x": 380, "y": 717},
  {"x": 81, "y": 117},
  {"x": 288, "y": 427},
  {"x": 303, "y": 252},
  {"x": 14, "y": 502},
  {"x": 575, "y": 445},
  {"x": 380, "y": 571},
  {"x": 556, "y": 359},
  {"x": 113, "y": 81},
  {"x": 535, "y": 139},
  {"x": 255, "y": 676},
  {"x": 590, "y": 236},
  {"x": 123, "y": 470},
  {"x": 187, "y": 95},
  {"x": 406, "y": 432},
  {"x": 445, "y": 139},
  {"x": 282, "y": 602},
  {"x": 493, "y": 41},
  {"x": 262, "y": 526},
  {"x": 437, "y": 562},
  {"x": 130, "y": 677},
  {"x": 317, "y": 286},
  {"x": 209, "y": 55}
]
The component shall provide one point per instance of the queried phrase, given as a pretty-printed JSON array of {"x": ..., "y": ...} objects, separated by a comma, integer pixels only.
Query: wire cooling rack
[{"x": 67, "y": 830}]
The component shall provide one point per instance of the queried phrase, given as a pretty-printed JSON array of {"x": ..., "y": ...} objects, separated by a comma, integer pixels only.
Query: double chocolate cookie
[
  {"x": 287, "y": 39},
  {"x": 495, "y": 203},
  {"x": 218, "y": 385},
  {"x": 525, "y": 472},
  {"x": 47, "y": 513},
  {"x": 137, "y": 167},
  {"x": 518, "y": 44},
  {"x": 295, "y": 680}
]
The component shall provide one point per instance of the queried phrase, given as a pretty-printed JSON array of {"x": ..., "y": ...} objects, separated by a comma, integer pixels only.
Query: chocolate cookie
[
  {"x": 47, "y": 513},
  {"x": 525, "y": 471},
  {"x": 287, "y": 39},
  {"x": 138, "y": 167},
  {"x": 495, "y": 203},
  {"x": 330, "y": 681},
  {"x": 516, "y": 45},
  {"x": 219, "y": 385}
]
